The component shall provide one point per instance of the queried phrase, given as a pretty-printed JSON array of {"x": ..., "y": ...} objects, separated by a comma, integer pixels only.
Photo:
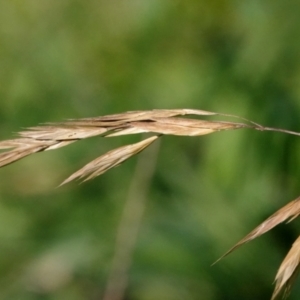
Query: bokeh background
[{"x": 75, "y": 59}]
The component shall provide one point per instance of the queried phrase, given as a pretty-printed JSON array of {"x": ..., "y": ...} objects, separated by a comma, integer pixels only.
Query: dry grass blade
[
  {"x": 21, "y": 148},
  {"x": 289, "y": 211},
  {"x": 140, "y": 115},
  {"x": 288, "y": 270},
  {"x": 61, "y": 133},
  {"x": 185, "y": 127},
  {"x": 109, "y": 160},
  {"x": 178, "y": 126}
]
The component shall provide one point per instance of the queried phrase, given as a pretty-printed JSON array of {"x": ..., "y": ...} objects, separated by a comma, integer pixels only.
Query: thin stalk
[{"x": 130, "y": 224}]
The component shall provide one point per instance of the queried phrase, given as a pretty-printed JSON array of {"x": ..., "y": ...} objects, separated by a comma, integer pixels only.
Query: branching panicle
[{"x": 158, "y": 122}]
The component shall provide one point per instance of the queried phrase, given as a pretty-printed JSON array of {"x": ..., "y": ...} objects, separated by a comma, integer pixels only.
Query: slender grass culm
[{"x": 158, "y": 123}]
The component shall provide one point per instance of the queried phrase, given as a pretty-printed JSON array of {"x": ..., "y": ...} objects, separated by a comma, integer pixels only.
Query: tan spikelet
[
  {"x": 109, "y": 160},
  {"x": 288, "y": 270},
  {"x": 289, "y": 211}
]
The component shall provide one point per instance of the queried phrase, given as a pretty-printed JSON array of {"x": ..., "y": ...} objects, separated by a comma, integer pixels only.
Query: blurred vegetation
[{"x": 75, "y": 59}]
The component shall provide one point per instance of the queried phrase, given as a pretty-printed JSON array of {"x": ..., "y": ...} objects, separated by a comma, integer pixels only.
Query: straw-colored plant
[{"x": 158, "y": 123}]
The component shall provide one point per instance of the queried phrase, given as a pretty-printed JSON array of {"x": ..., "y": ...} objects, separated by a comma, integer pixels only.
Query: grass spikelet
[
  {"x": 289, "y": 211},
  {"x": 109, "y": 160},
  {"x": 288, "y": 271}
]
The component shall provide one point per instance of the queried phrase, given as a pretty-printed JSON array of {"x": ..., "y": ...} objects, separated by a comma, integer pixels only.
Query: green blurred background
[{"x": 76, "y": 59}]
